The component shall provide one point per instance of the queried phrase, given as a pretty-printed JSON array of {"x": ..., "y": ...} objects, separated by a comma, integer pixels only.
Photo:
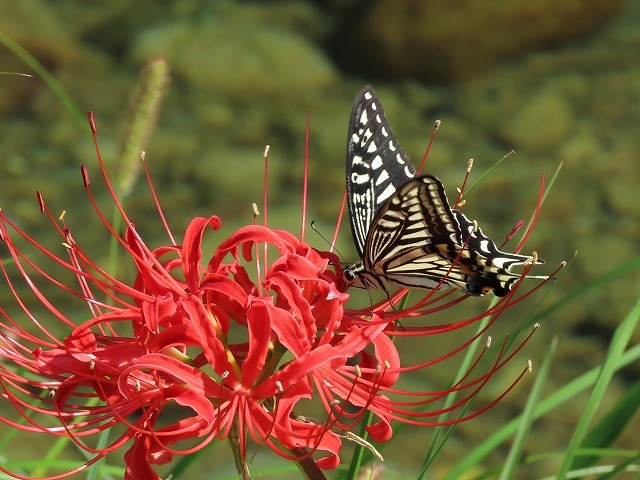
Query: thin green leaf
[
  {"x": 360, "y": 453},
  {"x": 51, "y": 82},
  {"x": 527, "y": 417},
  {"x": 437, "y": 443},
  {"x": 615, "y": 273},
  {"x": 610, "y": 426},
  {"x": 616, "y": 349},
  {"x": 559, "y": 397},
  {"x": 487, "y": 172}
]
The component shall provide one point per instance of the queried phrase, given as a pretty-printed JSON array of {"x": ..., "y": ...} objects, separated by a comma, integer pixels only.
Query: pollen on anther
[
  {"x": 224, "y": 375},
  {"x": 488, "y": 344},
  {"x": 358, "y": 371},
  {"x": 256, "y": 212},
  {"x": 529, "y": 366},
  {"x": 469, "y": 165},
  {"x": 266, "y": 150}
]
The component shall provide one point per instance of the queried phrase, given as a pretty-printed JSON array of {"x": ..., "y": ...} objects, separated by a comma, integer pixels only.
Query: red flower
[{"x": 240, "y": 352}]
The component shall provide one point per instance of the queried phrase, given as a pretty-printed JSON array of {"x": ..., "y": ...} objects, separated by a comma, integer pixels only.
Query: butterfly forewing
[{"x": 376, "y": 165}]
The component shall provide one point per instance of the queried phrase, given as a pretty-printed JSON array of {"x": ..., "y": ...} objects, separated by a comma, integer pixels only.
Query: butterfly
[{"x": 404, "y": 229}]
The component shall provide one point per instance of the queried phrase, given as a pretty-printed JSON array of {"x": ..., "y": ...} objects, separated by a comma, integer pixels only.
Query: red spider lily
[{"x": 243, "y": 353}]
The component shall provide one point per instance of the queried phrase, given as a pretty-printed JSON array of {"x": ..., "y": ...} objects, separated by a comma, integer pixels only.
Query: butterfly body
[{"x": 404, "y": 229}]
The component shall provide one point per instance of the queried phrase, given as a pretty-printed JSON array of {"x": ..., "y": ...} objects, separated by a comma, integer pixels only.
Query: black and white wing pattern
[
  {"x": 376, "y": 165},
  {"x": 404, "y": 229}
]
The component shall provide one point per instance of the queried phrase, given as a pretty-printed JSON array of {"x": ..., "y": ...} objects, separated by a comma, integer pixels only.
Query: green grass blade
[
  {"x": 360, "y": 453},
  {"x": 51, "y": 82},
  {"x": 610, "y": 426},
  {"x": 487, "y": 172},
  {"x": 439, "y": 437},
  {"x": 616, "y": 349},
  {"x": 587, "y": 286},
  {"x": 527, "y": 417},
  {"x": 559, "y": 397}
]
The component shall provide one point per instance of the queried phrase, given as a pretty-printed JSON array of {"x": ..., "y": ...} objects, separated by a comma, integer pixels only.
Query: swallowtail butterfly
[{"x": 405, "y": 231}]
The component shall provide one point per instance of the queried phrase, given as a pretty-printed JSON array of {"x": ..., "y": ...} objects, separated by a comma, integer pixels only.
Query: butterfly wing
[
  {"x": 376, "y": 165},
  {"x": 403, "y": 227},
  {"x": 482, "y": 267},
  {"x": 414, "y": 236},
  {"x": 418, "y": 241}
]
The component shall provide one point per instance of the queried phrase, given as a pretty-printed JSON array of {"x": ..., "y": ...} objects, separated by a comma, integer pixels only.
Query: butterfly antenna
[{"x": 331, "y": 245}]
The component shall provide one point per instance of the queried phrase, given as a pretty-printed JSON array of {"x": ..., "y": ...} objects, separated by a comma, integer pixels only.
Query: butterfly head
[{"x": 357, "y": 275}]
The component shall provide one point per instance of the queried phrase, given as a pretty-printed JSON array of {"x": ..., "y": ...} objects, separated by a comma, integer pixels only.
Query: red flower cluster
[{"x": 237, "y": 346}]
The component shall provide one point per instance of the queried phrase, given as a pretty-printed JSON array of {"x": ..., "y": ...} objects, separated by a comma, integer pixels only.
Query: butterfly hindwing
[{"x": 411, "y": 237}]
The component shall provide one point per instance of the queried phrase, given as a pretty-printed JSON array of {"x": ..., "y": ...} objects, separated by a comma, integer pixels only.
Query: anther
[
  {"x": 40, "y": 201},
  {"x": 85, "y": 176}
]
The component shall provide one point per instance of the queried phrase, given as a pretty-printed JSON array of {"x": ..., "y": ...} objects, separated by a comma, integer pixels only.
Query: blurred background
[{"x": 558, "y": 82}]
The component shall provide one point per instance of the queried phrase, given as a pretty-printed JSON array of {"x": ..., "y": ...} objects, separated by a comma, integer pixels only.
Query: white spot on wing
[
  {"x": 359, "y": 179},
  {"x": 384, "y": 175},
  {"x": 385, "y": 194}
]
